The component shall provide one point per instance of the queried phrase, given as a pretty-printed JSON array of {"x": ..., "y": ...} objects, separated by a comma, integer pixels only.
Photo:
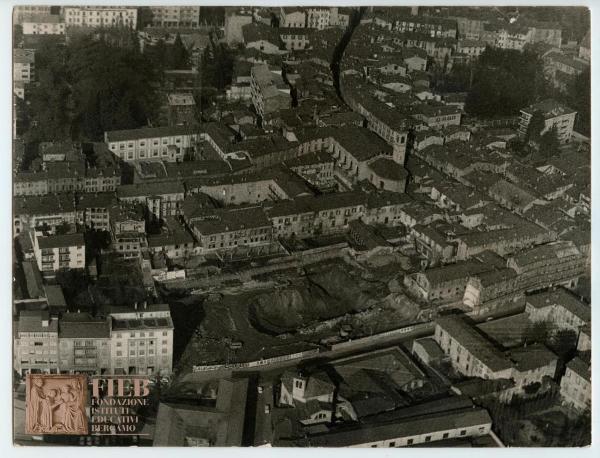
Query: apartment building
[
  {"x": 51, "y": 210},
  {"x": 21, "y": 12},
  {"x": 270, "y": 93},
  {"x": 46, "y": 24},
  {"x": 431, "y": 26},
  {"x": 475, "y": 356},
  {"x": 559, "y": 308},
  {"x": 295, "y": 38},
  {"x": 152, "y": 143},
  {"x": 424, "y": 429},
  {"x": 84, "y": 344},
  {"x": 557, "y": 263},
  {"x": 142, "y": 339},
  {"x": 576, "y": 384},
  {"x": 556, "y": 115},
  {"x": 128, "y": 229},
  {"x": 160, "y": 198},
  {"x": 36, "y": 343},
  {"x": 55, "y": 252},
  {"x": 23, "y": 65},
  {"x": 100, "y": 16},
  {"x": 93, "y": 210},
  {"x": 290, "y": 16},
  {"x": 175, "y": 16},
  {"x": 230, "y": 228},
  {"x": 319, "y": 18}
]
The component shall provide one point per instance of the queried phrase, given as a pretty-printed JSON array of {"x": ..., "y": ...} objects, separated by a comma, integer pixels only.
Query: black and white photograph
[{"x": 300, "y": 226}]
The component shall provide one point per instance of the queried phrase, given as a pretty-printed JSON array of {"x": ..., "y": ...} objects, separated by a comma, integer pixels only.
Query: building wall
[
  {"x": 51, "y": 260},
  {"x": 88, "y": 355},
  {"x": 23, "y": 72},
  {"x": 100, "y": 16},
  {"x": 450, "y": 433},
  {"x": 154, "y": 148},
  {"x": 43, "y": 28},
  {"x": 575, "y": 390},
  {"x": 36, "y": 352},
  {"x": 175, "y": 16}
]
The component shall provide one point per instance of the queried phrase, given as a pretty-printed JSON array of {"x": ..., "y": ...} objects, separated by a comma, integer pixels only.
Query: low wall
[{"x": 259, "y": 363}]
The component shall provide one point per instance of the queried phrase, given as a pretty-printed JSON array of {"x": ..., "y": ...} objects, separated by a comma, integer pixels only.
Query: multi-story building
[
  {"x": 100, "y": 16},
  {"x": 33, "y": 212},
  {"x": 270, "y": 93},
  {"x": 128, "y": 229},
  {"x": 576, "y": 384},
  {"x": 558, "y": 263},
  {"x": 475, "y": 356},
  {"x": 36, "y": 343},
  {"x": 385, "y": 121},
  {"x": 160, "y": 198},
  {"x": 585, "y": 48},
  {"x": 23, "y": 65},
  {"x": 181, "y": 108},
  {"x": 47, "y": 24},
  {"x": 55, "y": 252},
  {"x": 93, "y": 210},
  {"x": 295, "y": 38},
  {"x": 84, "y": 344},
  {"x": 405, "y": 432},
  {"x": 292, "y": 17},
  {"x": 318, "y": 18},
  {"x": 437, "y": 116},
  {"x": 175, "y": 16},
  {"x": 142, "y": 339},
  {"x": 21, "y": 12},
  {"x": 559, "y": 308},
  {"x": 230, "y": 228},
  {"x": 152, "y": 143},
  {"x": 556, "y": 115}
]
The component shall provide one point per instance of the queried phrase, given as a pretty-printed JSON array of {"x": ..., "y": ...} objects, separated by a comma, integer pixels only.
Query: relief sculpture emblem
[{"x": 56, "y": 404}]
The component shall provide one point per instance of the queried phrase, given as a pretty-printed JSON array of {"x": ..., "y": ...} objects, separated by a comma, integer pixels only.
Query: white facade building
[{"x": 101, "y": 16}]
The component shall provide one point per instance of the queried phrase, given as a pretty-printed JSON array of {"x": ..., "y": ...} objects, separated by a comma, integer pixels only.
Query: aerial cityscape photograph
[{"x": 311, "y": 226}]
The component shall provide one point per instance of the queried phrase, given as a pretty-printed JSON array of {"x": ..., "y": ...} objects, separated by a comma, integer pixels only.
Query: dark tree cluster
[
  {"x": 168, "y": 56},
  {"x": 504, "y": 81},
  {"x": 88, "y": 87}
]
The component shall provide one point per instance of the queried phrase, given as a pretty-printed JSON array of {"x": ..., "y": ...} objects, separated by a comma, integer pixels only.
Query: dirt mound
[{"x": 326, "y": 293}]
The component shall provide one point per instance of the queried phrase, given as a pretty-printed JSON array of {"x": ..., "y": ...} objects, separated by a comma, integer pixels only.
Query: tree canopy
[
  {"x": 535, "y": 126},
  {"x": 504, "y": 81},
  {"x": 89, "y": 87}
]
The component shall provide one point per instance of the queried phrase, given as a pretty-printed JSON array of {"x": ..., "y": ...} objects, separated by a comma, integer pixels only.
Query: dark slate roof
[
  {"x": 148, "y": 132},
  {"x": 60, "y": 241},
  {"x": 475, "y": 343},
  {"x": 411, "y": 427},
  {"x": 580, "y": 367},
  {"x": 388, "y": 169},
  {"x": 83, "y": 325},
  {"x": 561, "y": 298}
]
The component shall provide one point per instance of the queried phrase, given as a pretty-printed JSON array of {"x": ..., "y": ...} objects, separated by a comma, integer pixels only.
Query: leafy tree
[
  {"x": 88, "y": 87},
  {"x": 579, "y": 97},
  {"x": 537, "y": 332},
  {"x": 535, "y": 126},
  {"x": 504, "y": 81},
  {"x": 178, "y": 57},
  {"x": 563, "y": 343},
  {"x": 63, "y": 228},
  {"x": 549, "y": 143}
]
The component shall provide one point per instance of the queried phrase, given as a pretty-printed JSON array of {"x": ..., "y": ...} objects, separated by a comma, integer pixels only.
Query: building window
[{"x": 463, "y": 432}]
